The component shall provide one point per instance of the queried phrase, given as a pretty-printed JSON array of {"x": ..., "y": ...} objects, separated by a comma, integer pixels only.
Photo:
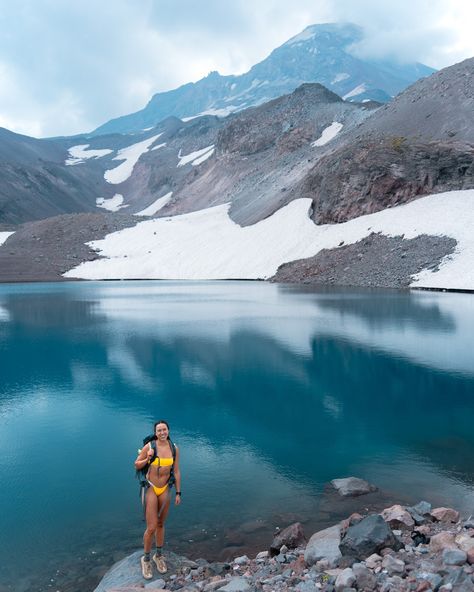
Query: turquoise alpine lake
[{"x": 271, "y": 391}]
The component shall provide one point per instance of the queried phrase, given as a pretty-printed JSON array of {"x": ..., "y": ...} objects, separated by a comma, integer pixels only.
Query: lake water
[{"x": 271, "y": 391}]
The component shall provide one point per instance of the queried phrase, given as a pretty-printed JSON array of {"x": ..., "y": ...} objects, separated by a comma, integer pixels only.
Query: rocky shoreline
[{"x": 402, "y": 548}]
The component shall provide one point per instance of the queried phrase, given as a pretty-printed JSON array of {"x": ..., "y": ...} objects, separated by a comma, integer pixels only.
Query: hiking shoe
[
  {"x": 160, "y": 563},
  {"x": 147, "y": 569}
]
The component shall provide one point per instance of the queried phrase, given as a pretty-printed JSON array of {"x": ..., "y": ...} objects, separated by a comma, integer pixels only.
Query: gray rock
[
  {"x": 352, "y": 486},
  {"x": 241, "y": 560},
  {"x": 393, "y": 565},
  {"x": 454, "y": 557},
  {"x": 324, "y": 544},
  {"x": 236, "y": 584},
  {"x": 345, "y": 579},
  {"x": 364, "y": 577},
  {"x": 156, "y": 585},
  {"x": 293, "y": 536},
  {"x": 434, "y": 579},
  {"x": 308, "y": 586},
  {"x": 370, "y": 535},
  {"x": 212, "y": 586},
  {"x": 128, "y": 571}
]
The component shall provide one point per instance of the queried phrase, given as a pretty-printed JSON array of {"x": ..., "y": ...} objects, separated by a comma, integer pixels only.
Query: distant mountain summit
[{"x": 320, "y": 53}]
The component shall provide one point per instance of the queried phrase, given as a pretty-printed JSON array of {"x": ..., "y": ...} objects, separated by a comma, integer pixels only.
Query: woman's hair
[{"x": 158, "y": 422}]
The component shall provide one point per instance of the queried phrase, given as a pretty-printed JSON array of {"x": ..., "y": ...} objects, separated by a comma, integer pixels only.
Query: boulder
[
  {"x": 393, "y": 565},
  {"x": 236, "y": 584},
  {"x": 324, "y": 545},
  {"x": 441, "y": 541},
  {"x": 365, "y": 579},
  {"x": 454, "y": 557},
  {"x": 370, "y": 535},
  {"x": 464, "y": 542},
  {"x": 373, "y": 561},
  {"x": 397, "y": 517},
  {"x": 352, "y": 486},
  {"x": 445, "y": 515},
  {"x": 293, "y": 536},
  {"x": 127, "y": 572},
  {"x": 345, "y": 579}
]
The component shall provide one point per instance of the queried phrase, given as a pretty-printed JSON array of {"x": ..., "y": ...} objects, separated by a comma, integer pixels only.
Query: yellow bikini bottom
[{"x": 158, "y": 490}]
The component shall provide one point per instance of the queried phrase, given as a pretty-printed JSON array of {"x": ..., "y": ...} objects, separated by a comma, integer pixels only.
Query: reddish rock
[
  {"x": 292, "y": 536},
  {"x": 470, "y": 556},
  {"x": 397, "y": 517},
  {"x": 298, "y": 565},
  {"x": 445, "y": 515},
  {"x": 441, "y": 541},
  {"x": 423, "y": 586}
]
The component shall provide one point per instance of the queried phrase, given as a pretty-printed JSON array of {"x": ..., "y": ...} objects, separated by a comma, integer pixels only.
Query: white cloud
[{"x": 68, "y": 67}]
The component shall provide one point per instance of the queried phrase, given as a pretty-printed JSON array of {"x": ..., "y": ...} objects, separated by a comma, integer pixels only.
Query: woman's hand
[
  {"x": 177, "y": 499},
  {"x": 149, "y": 453}
]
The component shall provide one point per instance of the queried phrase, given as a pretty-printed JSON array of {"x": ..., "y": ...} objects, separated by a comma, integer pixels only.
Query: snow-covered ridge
[
  {"x": 208, "y": 245},
  {"x": 358, "y": 90},
  {"x": 130, "y": 155},
  {"x": 113, "y": 204},
  {"x": 4, "y": 236},
  {"x": 80, "y": 154},
  {"x": 196, "y": 157},
  {"x": 155, "y": 206},
  {"x": 328, "y": 134}
]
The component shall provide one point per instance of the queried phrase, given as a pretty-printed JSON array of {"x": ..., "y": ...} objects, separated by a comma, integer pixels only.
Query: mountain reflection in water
[{"x": 271, "y": 391}]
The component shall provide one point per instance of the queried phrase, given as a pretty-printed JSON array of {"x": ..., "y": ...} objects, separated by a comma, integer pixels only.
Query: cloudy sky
[{"x": 67, "y": 67}]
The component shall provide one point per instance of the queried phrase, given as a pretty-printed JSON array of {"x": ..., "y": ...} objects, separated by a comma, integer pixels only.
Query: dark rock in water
[
  {"x": 369, "y": 536},
  {"x": 293, "y": 536},
  {"x": 352, "y": 486}
]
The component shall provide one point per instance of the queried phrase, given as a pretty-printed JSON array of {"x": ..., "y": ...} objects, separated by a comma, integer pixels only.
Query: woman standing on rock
[{"x": 161, "y": 457}]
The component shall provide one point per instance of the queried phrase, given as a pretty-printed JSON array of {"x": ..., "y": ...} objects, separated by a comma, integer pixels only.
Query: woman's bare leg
[
  {"x": 151, "y": 515},
  {"x": 163, "y": 509}
]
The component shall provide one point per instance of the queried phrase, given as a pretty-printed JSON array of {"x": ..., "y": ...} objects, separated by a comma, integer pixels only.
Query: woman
[{"x": 162, "y": 458}]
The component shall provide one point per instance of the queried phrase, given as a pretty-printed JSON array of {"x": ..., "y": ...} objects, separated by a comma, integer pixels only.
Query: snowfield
[
  {"x": 208, "y": 245},
  {"x": 328, "y": 134},
  {"x": 155, "y": 206},
  {"x": 4, "y": 236},
  {"x": 80, "y": 153},
  {"x": 196, "y": 157},
  {"x": 130, "y": 155},
  {"x": 113, "y": 204}
]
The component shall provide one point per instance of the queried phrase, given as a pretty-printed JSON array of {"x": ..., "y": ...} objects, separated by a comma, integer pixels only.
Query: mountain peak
[{"x": 318, "y": 54}]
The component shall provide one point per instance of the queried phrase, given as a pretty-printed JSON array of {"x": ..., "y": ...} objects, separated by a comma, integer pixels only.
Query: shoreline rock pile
[{"x": 403, "y": 548}]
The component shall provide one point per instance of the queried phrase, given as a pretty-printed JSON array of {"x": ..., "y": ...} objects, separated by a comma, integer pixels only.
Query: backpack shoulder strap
[{"x": 173, "y": 450}]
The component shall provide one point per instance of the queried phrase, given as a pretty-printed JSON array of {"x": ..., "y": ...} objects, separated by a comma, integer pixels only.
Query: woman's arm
[
  {"x": 144, "y": 457},
  {"x": 177, "y": 476}
]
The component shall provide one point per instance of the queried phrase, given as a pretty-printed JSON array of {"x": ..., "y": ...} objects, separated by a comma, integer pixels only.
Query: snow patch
[
  {"x": 4, "y": 236},
  {"x": 358, "y": 90},
  {"x": 340, "y": 77},
  {"x": 114, "y": 204},
  {"x": 155, "y": 206},
  {"x": 158, "y": 146},
  {"x": 80, "y": 153},
  {"x": 306, "y": 35},
  {"x": 130, "y": 156},
  {"x": 196, "y": 157},
  {"x": 328, "y": 134},
  {"x": 208, "y": 245}
]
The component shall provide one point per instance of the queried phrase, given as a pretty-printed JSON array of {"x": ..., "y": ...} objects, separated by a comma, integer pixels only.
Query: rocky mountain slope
[
  {"x": 233, "y": 197},
  {"x": 320, "y": 53}
]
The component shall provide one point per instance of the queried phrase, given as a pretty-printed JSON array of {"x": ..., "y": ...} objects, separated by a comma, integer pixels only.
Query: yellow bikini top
[{"x": 162, "y": 462}]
